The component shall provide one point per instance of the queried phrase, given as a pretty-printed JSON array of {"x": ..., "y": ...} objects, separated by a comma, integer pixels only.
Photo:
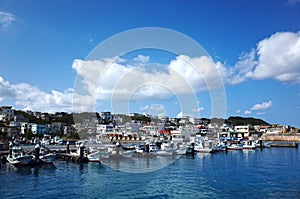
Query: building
[
  {"x": 46, "y": 117},
  {"x": 6, "y": 113},
  {"x": 107, "y": 116},
  {"x": 38, "y": 129},
  {"x": 245, "y": 130}
]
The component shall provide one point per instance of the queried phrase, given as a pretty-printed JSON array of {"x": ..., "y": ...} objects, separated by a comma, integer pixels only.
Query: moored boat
[
  {"x": 202, "y": 148},
  {"x": 17, "y": 157},
  {"x": 46, "y": 156},
  {"x": 249, "y": 144},
  {"x": 235, "y": 147}
]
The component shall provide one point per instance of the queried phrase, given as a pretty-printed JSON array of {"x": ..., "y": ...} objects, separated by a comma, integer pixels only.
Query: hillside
[{"x": 236, "y": 120}]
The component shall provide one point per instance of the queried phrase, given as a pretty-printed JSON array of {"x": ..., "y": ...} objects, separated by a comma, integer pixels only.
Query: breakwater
[{"x": 281, "y": 138}]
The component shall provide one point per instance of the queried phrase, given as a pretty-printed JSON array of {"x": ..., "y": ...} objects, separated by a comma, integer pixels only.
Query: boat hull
[{"x": 22, "y": 160}]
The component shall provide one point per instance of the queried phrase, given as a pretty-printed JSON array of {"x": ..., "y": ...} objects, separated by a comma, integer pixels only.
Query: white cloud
[
  {"x": 247, "y": 112},
  {"x": 29, "y": 97},
  {"x": 241, "y": 70},
  {"x": 260, "y": 113},
  {"x": 144, "y": 108},
  {"x": 6, "y": 19},
  {"x": 238, "y": 111},
  {"x": 108, "y": 80},
  {"x": 157, "y": 109},
  {"x": 262, "y": 106},
  {"x": 279, "y": 58},
  {"x": 142, "y": 58},
  {"x": 276, "y": 57},
  {"x": 199, "y": 109}
]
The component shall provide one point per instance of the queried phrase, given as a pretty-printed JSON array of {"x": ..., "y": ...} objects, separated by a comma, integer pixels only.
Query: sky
[{"x": 99, "y": 56}]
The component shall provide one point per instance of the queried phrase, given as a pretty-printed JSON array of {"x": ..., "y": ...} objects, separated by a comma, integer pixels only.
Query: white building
[
  {"x": 246, "y": 130},
  {"x": 104, "y": 128},
  {"x": 150, "y": 129}
]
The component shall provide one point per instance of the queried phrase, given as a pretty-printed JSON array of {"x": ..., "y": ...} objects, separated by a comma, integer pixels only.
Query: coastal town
[{"x": 163, "y": 135}]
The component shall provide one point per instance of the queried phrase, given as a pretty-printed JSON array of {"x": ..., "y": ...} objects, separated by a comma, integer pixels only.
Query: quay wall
[{"x": 282, "y": 138}]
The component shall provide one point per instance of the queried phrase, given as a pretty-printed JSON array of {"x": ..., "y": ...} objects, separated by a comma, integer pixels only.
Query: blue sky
[{"x": 255, "y": 44}]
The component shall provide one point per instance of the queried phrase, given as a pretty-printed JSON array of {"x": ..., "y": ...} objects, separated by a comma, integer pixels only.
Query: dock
[{"x": 285, "y": 144}]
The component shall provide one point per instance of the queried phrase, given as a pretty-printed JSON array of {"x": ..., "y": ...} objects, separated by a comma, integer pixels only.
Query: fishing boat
[
  {"x": 46, "y": 155},
  {"x": 201, "y": 147},
  {"x": 17, "y": 156},
  {"x": 249, "y": 144},
  {"x": 220, "y": 147},
  {"x": 235, "y": 146},
  {"x": 166, "y": 149}
]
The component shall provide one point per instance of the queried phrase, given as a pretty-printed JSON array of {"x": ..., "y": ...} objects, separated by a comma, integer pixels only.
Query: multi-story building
[
  {"x": 245, "y": 130},
  {"x": 38, "y": 129},
  {"x": 6, "y": 113}
]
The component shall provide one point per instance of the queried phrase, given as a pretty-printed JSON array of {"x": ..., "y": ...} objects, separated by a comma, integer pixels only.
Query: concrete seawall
[{"x": 282, "y": 138}]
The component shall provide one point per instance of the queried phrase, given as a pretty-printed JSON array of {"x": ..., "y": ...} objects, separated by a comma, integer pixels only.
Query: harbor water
[{"x": 267, "y": 173}]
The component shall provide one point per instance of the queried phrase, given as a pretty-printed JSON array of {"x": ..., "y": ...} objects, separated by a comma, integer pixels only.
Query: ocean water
[{"x": 267, "y": 173}]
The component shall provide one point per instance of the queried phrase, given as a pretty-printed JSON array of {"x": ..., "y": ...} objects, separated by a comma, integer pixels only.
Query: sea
[{"x": 266, "y": 173}]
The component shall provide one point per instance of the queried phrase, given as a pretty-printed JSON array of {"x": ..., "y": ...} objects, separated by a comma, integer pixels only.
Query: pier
[{"x": 285, "y": 144}]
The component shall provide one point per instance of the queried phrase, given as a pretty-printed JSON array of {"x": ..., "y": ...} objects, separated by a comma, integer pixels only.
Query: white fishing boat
[
  {"x": 235, "y": 147},
  {"x": 17, "y": 156},
  {"x": 202, "y": 148},
  {"x": 249, "y": 144},
  {"x": 181, "y": 150},
  {"x": 94, "y": 156},
  {"x": 48, "y": 158},
  {"x": 166, "y": 149},
  {"x": 220, "y": 147},
  {"x": 46, "y": 155}
]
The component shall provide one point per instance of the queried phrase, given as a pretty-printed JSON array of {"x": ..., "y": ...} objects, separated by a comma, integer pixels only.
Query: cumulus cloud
[
  {"x": 142, "y": 58},
  {"x": 105, "y": 79},
  {"x": 157, "y": 109},
  {"x": 6, "y": 19},
  {"x": 275, "y": 57},
  {"x": 260, "y": 113},
  {"x": 241, "y": 70},
  {"x": 29, "y": 97},
  {"x": 258, "y": 107},
  {"x": 262, "y": 106},
  {"x": 278, "y": 58},
  {"x": 247, "y": 112},
  {"x": 144, "y": 108},
  {"x": 198, "y": 110}
]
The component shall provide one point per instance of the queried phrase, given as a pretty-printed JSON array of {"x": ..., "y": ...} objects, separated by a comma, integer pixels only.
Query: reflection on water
[{"x": 139, "y": 164}]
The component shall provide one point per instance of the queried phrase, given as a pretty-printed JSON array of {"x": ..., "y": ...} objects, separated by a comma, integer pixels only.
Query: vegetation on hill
[
  {"x": 31, "y": 118},
  {"x": 141, "y": 118},
  {"x": 236, "y": 120},
  {"x": 67, "y": 118}
]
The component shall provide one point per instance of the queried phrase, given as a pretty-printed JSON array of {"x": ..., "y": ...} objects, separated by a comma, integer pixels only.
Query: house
[
  {"x": 38, "y": 128},
  {"x": 6, "y": 113},
  {"x": 245, "y": 130},
  {"x": 46, "y": 117}
]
